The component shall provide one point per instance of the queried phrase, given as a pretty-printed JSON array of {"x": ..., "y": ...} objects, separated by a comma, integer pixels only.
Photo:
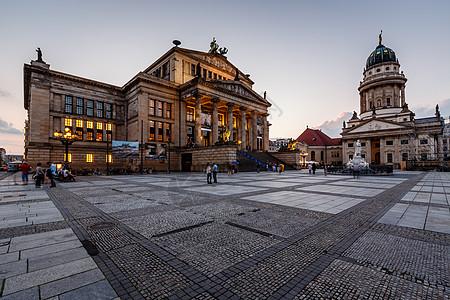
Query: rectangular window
[
  {"x": 404, "y": 156},
  {"x": 424, "y": 142},
  {"x": 109, "y": 158},
  {"x": 90, "y": 158},
  {"x": 350, "y": 145},
  {"x": 168, "y": 132},
  {"x": 204, "y": 73},
  {"x": 388, "y": 101},
  {"x": 90, "y": 125},
  {"x": 190, "y": 114},
  {"x": 350, "y": 156},
  {"x": 99, "y": 136},
  {"x": 389, "y": 143},
  {"x": 80, "y": 106},
  {"x": 404, "y": 142},
  {"x": 69, "y": 104},
  {"x": 221, "y": 120},
  {"x": 108, "y": 110},
  {"x": 108, "y": 127},
  {"x": 165, "y": 70},
  {"x": 389, "y": 157},
  {"x": 159, "y": 111},
  {"x": 423, "y": 156},
  {"x": 79, "y": 124},
  {"x": 68, "y": 122},
  {"x": 69, "y": 158},
  {"x": 90, "y": 108},
  {"x": 100, "y": 109},
  {"x": 152, "y": 130},
  {"x": 362, "y": 155},
  {"x": 215, "y": 76},
  {"x": 220, "y": 77},
  {"x": 151, "y": 110},
  {"x": 209, "y": 74},
  {"x": 234, "y": 123},
  {"x": 363, "y": 144},
  {"x": 99, "y": 126},
  {"x": 168, "y": 110},
  {"x": 79, "y": 133},
  {"x": 90, "y": 136},
  {"x": 192, "y": 69},
  {"x": 160, "y": 131}
]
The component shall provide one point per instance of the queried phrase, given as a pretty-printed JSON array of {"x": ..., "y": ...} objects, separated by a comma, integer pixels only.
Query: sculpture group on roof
[{"x": 214, "y": 48}]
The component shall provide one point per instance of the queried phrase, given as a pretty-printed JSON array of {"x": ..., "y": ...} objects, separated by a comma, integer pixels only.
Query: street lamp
[
  {"x": 66, "y": 138},
  {"x": 304, "y": 155}
]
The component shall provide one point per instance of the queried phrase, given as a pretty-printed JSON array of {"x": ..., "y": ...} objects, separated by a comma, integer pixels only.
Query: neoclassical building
[
  {"x": 186, "y": 97},
  {"x": 387, "y": 128}
]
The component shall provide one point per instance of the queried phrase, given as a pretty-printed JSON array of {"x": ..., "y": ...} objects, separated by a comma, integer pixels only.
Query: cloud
[
  {"x": 6, "y": 127},
  {"x": 429, "y": 111},
  {"x": 333, "y": 128},
  {"x": 5, "y": 94}
]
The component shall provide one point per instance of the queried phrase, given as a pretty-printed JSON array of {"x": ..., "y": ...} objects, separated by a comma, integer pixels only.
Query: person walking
[
  {"x": 39, "y": 175},
  {"x": 208, "y": 174},
  {"x": 214, "y": 170},
  {"x": 314, "y": 168},
  {"x": 25, "y": 171},
  {"x": 309, "y": 168},
  {"x": 51, "y": 173},
  {"x": 257, "y": 168}
]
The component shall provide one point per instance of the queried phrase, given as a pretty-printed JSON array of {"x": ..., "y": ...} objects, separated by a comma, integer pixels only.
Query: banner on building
[{"x": 125, "y": 150}]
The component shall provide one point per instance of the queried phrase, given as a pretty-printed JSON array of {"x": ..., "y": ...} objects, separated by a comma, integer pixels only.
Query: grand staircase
[{"x": 249, "y": 160}]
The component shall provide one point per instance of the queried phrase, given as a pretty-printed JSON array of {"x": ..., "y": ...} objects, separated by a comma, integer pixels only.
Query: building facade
[
  {"x": 387, "y": 129},
  {"x": 321, "y": 148},
  {"x": 186, "y": 98}
]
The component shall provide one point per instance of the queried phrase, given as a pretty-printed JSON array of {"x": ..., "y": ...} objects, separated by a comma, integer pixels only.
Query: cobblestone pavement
[{"x": 251, "y": 236}]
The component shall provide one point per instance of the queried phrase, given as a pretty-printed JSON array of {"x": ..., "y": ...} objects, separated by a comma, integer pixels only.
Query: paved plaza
[{"x": 250, "y": 236}]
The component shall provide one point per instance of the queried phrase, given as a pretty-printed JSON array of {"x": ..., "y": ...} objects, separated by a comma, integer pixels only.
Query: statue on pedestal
[{"x": 39, "y": 54}]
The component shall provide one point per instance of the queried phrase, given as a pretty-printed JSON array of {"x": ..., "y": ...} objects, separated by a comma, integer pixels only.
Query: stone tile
[
  {"x": 49, "y": 238},
  {"x": 13, "y": 268},
  {"x": 28, "y": 294},
  {"x": 9, "y": 257},
  {"x": 101, "y": 290},
  {"x": 53, "y": 259},
  {"x": 35, "y": 252},
  {"x": 67, "y": 284},
  {"x": 25, "y": 281}
]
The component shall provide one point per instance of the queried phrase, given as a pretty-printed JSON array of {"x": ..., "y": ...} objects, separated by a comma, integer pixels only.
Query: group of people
[
  {"x": 42, "y": 175},
  {"x": 211, "y": 173},
  {"x": 313, "y": 168},
  {"x": 272, "y": 167}
]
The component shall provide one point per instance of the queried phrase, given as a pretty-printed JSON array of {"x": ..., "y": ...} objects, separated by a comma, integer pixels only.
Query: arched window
[
  {"x": 313, "y": 155},
  {"x": 378, "y": 103}
]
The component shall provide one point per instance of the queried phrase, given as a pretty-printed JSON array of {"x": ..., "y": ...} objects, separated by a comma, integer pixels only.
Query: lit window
[
  {"x": 108, "y": 126},
  {"x": 69, "y": 158},
  {"x": 234, "y": 122},
  {"x": 152, "y": 130},
  {"x": 90, "y": 125},
  {"x": 79, "y": 123},
  {"x": 90, "y": 158},
  {"x": 151, "y": 107},
  {"x": 160, "y": 131},
  {"x": 90, "y": 136},
  {"x": 99, "y": 136},
  {"x": 168, "y": 132},
  {"x": 68, "y": 122},
  {"x": 190, "y": 113},
  {"x": 168, "y": 110},
  {"x": 69, "y": 104},
  {"x": 109, "y": 158},
  {"x": 221, "y": 119},
  {"x": 99, "y": 126}
]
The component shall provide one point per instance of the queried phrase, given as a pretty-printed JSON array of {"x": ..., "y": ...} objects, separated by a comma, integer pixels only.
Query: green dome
[{"x": 379, "y": 55}]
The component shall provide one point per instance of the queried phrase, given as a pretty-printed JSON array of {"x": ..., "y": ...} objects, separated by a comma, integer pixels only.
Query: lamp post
[
  {"x": 66, "y": 138},
  {"x": 304, "y": 155}
]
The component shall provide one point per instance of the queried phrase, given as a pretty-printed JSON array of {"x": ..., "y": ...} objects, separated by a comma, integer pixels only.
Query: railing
[{"x": 252, "y": 158}]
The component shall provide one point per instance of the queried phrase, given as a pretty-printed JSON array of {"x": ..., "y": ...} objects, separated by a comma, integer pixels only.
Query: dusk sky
[{"x": 308, "y": 55}]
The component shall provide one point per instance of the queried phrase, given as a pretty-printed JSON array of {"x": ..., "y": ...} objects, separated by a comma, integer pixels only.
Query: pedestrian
[
  {"x": 257, "y": 168},
  {"x": 314, "y": 168},
  {"x": 309, "y": 168},
  {"x": 51, "y": 173},
  {"x": 25, "y": 171},
  {"x": 39, "y": 175},
  {"x": 230, "y": 169},
  {"x": 208, "y": 173},
  {"x": 356, "y": 171},
  {"x": 214, "y": 170}
]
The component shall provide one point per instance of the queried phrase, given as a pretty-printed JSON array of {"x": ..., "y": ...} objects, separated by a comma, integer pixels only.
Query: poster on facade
[{"x": 124, "y": 150}]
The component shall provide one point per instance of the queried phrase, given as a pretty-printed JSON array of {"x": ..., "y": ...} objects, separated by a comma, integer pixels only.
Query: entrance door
[
  {"x": 375, "y": 151},
  {"x": 186, "y": 162}
]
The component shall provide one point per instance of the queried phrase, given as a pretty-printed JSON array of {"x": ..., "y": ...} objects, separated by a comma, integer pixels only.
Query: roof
[
  {"x": 427, "y": 120},
  {"x": 379, "y": 55},
  {"x": 315, "y": 137}
]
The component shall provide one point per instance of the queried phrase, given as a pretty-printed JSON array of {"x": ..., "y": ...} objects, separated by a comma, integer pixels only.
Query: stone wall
[
  {"x": 290, "y": 157},
  {"x": 222, "y": 156}
]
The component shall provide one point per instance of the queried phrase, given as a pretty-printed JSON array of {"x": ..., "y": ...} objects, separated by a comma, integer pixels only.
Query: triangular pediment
[
  {"x": 376, "y": 125},
  {"x": 239, "y": 89}
]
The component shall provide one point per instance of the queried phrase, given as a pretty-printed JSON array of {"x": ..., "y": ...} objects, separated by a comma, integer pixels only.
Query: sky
[{"x": 308, "y": 55}]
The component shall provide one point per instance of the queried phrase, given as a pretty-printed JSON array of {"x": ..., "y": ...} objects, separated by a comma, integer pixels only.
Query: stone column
[
  {"x": 198, "y": 121},
  {"x": 254, "y": 129},
  {"x": 215, "y": 120},
  {"x": 230, "y": 119},
  {"x": 266, "y": 132},
  {"x": 362, "y": 107},
  {"x": 242, "y": 132},
  {"x": 403, "y": 95},
  {"x": 182, "y": 134}
]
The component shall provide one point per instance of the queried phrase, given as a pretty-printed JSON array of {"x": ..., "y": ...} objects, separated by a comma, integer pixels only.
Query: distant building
[
  {"x": 321, "y": 148},
  {"x": 446, "y": 140},
  {"x": 2, "y": 156},
  {"x": 277, "y": 143},
  {"x": 387, "y": 129}
]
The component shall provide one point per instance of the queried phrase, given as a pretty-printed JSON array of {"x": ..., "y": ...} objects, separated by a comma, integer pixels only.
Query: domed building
[{"x": 387, "y": 129}]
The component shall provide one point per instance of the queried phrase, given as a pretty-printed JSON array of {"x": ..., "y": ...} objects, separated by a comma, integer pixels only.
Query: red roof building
[
  {"x": 315, "y": 137},
  {"x": 321, "y": 148}
]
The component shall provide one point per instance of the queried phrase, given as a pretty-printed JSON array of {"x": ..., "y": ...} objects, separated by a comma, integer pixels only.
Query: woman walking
[{"x": 208, "y": 174}]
